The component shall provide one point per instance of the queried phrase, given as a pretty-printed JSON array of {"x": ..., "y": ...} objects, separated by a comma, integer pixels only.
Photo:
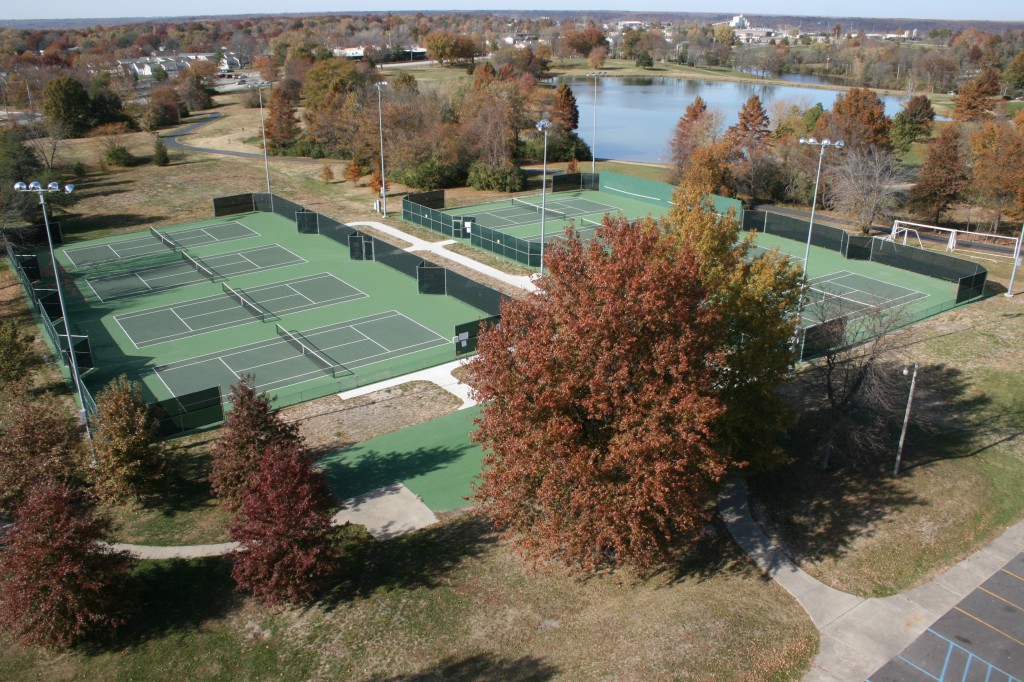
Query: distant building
[{"x": 739, "y": 21}]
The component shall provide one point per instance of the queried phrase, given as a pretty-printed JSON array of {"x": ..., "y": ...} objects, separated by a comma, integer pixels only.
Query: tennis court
[
  {"x": 234, "y": 307},
  {"x": 186, "y": 270},
  {"x": 853, "y": 295},
  {"x": 157, "y": 242},
  {"x": 297, "y": 356},
  {"x": 559, "y": 209}
]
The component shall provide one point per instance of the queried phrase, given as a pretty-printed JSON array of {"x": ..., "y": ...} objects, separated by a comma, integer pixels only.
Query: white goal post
[{"x": 981, "y": 245}]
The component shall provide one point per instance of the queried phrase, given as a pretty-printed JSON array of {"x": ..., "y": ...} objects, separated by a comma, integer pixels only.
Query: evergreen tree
[
  {"x": 160, "y": 155},
  {"x": 58, "y": 584},
  {"x": 752, "y": 127},
  {"x": 66, "y": 101}
]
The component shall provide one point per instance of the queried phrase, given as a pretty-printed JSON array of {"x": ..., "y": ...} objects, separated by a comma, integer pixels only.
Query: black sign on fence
[{"x": 30, "y": 265}]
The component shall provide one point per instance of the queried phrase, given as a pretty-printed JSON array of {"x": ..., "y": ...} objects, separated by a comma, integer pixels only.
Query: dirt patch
[{"x": 331, "y": 423}]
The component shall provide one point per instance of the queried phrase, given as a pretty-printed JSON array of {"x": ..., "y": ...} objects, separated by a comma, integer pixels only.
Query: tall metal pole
[
  {"x": 266, "y": 160},
  {"x": 383, "y": 177},
  {"x": 593, "y": 146},
  {"x": 1016, "y": 263},
  {"x": 906, "y": 420},
  {"x": 543, "y": 125},
  {"x": 36, "y": 188},
  {"x": 814, "y": 205}
]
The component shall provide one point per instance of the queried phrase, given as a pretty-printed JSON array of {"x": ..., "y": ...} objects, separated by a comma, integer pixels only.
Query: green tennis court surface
[
  {"x": 851, "y": 295},
  {"x": 277, "y": 363},
  {"x": 435, "y": 460},
  {"x": 149, "y": 244},
  {"x": 271, "y": 301},
  {"x": 559, "y": 208},
  {"x": 182, "y": 273}
]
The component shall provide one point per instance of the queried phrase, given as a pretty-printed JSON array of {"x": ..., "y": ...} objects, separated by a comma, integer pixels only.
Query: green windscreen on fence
[
  {"x": 466, "y": 334},
  {"x": 238, "y": 203},
  {"x": 307, "y": 222}
]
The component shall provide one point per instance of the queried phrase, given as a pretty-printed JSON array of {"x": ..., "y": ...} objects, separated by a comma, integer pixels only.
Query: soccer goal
[{"x": 982, "y": 245}]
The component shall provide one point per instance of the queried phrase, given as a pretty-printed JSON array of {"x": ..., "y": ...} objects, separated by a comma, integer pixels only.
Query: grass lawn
[
  {"x": 453, "y": 603},
  {"x": 860, "y": 530}
]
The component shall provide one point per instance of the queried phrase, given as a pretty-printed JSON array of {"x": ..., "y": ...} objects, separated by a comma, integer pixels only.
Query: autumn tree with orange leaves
[{"x": 599, "y": 403}]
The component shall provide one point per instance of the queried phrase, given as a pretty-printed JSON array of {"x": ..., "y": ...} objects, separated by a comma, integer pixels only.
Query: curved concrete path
[
  {"x": 860, "y": 635},
  {"x": 171, "y": 140}
]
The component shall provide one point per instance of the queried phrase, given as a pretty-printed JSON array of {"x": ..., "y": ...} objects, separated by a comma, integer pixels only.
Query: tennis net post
[
  {"x": 248, "y": 304},
  {"x": 165, "y": 240},
  {"x": 308, "y": 351},
  {"x": 200, "y": 267},
  {"x": 557, "y": 215}
]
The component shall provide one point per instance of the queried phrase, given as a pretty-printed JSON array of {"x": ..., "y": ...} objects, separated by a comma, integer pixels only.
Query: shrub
[{"x": 507, "y": 178}]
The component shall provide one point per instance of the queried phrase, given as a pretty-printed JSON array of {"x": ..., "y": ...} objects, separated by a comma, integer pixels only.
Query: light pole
[
  {"x": 37, "y": 188},
  {"x": 906, "y": 418},
  {"x": 263, "y": 128},
  {"x": 543, "y": 125},
  {"x": 593, "y": 145},
  {"x": 380, "y": 121},
  {"x": 838, "y": 144}
]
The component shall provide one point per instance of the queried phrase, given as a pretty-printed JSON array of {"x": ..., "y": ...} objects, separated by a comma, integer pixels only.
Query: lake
[{"x": 637, "y": 116}]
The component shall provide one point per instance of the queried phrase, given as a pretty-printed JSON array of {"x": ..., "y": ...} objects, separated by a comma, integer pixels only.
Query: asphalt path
[
  {"x": 172, "y": 142},
  {"x": 981, "y": 638}
]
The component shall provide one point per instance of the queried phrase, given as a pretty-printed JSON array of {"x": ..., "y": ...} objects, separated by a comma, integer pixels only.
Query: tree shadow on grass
[
  {"x": 174, "y": 596},
  {"x": 185, "y": 485},
  {"x": 348, "y": 477},
  {"x": 479, "y": 668},
  {"x": 821, "y": 514},
  {"x": 110, "y": 221},
  {"x": 712, "y": 555},
  {"x": 420, "y": 559}
]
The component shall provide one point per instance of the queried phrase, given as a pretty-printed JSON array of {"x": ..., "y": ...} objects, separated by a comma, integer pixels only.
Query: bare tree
[
  {"x": 865, "y": 183},
  {"x": 856, "y": 384},
  {"x": 45, "y": 138}
]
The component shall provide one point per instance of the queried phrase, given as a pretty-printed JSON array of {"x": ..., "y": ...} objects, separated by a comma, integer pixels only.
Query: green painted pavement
[{"x": 435, "y": 460}]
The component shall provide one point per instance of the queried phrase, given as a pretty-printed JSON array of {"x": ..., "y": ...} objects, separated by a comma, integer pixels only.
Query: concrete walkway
[
  {"x": 180, "y": 552},
  {"x": 521, "y": 281},
  {"x": 859, "y": 635}
]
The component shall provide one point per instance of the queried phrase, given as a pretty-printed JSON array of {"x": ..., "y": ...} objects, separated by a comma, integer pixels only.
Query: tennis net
[
  {"x": 556, "y": 215},
  {"x": 250, "y": 306},
  {"x": 200, "y": 267},
  {"x": 308, "y": 351},
  {"x": 167, "y": 241}
]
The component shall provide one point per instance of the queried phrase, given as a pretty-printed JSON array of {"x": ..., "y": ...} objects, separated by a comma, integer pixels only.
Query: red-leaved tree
[
  {"x": 599, "y": 402},
  {"x": 284, "y": 526},
  {"x": 58, "y": 585},
  {"x": 250, "y": 427}
]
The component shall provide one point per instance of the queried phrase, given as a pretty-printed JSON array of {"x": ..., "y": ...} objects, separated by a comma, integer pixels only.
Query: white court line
[
  {"x": 187, "y": 325},
  {"x": 157, "y": 373},
  {"x": 73, "y": 263},
  {"x": 139, "y": 277},
  {"x": 94, "y": 291},
  {"x": 301, "y": 294},
  {"x": 125, "y": 332},
  {"x": 371, "y": 340},
  {"x": 233, "y": 372}
]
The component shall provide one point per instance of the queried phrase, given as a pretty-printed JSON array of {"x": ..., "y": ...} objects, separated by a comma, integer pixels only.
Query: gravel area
[{"x": 331, "y": 423}]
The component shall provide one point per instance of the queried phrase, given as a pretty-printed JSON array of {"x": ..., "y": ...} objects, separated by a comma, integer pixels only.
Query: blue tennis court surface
[{"x": 981, "y": 638}]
